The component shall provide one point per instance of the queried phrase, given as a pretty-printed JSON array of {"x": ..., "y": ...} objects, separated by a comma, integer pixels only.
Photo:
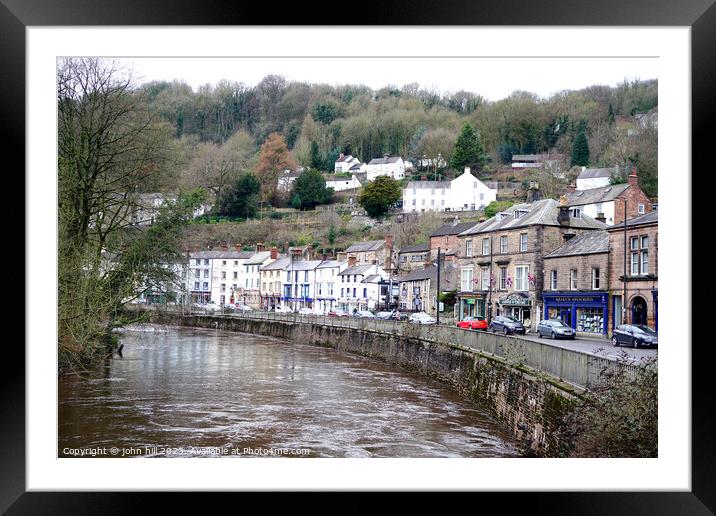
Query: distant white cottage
[
  {"x": 392, "y": 166},
  {"x": 346, "y": 163},
  {"x": 342, "y": 183},
  {"x": 465, "y": 192},
  {"x": 595, "y": 177}
]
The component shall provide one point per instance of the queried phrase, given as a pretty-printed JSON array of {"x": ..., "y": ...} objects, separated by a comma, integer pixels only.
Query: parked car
[
  {"x": 207, "y": 307},
  {"x": 507, "y": 325},
  {"x": 634, "y": 335},
  {"x": 306, "y": 311},
  {"x": 282, "y": 310},
  {"x": 364, "y": 314},
  {"x": 555, "y": 329},
  {"x": 383, "y": 315},
  {"x": 421, "y": 318},
  {"x": 337, "y": 313},
  {"x": 473, "y": 323},
  {"x": 398, "y": 316}
]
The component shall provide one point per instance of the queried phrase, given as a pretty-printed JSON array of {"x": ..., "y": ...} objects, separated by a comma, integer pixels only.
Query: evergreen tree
[
  {"x": 468, "y": 149},
  {"x": 309, "y": 190},
  {"x": 240, "y": 200},
  {"x": 580, "y": 149},
  {"x": 316, "y": 161},
  {"x": 379, "y": 195}
]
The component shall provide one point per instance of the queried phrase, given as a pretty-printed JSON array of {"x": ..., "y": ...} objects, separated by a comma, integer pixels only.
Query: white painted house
[
  {"x": 346, "y": 163},
  {"x": 228, "y": 275},
  {"x": 357, "y": 286},
  {"x": 327, "y": 279},
  {"x": 148, "y": 205},
  {"x": 463, "y": 193},
  {"x": 252, "y": 277},
  {"x": 299, "y": 284},
  {"x": 342, "y": 183},
  {"x": 392, "y": 166},
  {"x": 595, "y": 177},
  {"x": 198, "y": 280}
]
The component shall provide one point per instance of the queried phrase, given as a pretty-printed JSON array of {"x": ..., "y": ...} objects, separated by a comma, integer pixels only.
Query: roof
[
  {"x": 278, "y": 264},
  {"x": 430, "y": 272},
  {"x": 415, "y": 248},
  {"x": 357, "y": 269},
  {"x": 329, "y": 263},
  {"x": 429, "y": 185},
  {"x": 543, "y": 212},
  {"x": 590, "y": 242},
  {"x": 595, "y": 195},
  {"x": 304, "y": 265},
  {"x": 373, "y": 278},
  {"x": 344, "y": 158},
  {"x": 370, "y": 245},
  {"x": 452, "y": 229},
  {"x": 589, "y": 173},
  {"x": 223, "y": 253},
  {"x": 384, "y": 160},
  {"x": 648, "y": 218},
  {"x": 258, "y": 258}
]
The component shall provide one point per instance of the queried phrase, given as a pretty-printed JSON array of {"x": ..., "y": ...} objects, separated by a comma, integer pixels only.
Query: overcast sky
[{"x": 493, "y": 78}]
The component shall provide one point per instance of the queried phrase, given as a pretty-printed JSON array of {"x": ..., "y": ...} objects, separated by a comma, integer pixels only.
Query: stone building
[
  {"x": 446, "y": 237},
  {"x": 634, "y": 246},
  {"x": 501, "y": 260},
  {"x": 418, "y": 289},
  {"x": 576, "y": 283},
  {"x": 413, "y": 256},
  {"x": 372, "y": 252}
]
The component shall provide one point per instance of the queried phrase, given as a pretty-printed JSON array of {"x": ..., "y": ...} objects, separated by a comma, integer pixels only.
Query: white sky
[{"x": 493, "y": 78}]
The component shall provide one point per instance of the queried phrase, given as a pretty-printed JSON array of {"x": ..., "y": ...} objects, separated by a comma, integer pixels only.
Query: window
[
  {"x": 341, "y": 292},
  {"x": 573, "y": 279},
  {"x": 305, "y": 276},
  {"x": 468, "y": 248},
  {"x": 521, "y": 282},
  {"x": 485, "y": 278},
  {"x": 197, "y": 273},
  {"x": 223, "y": 263},
  {"x": 645, "y": 262},
  {"x": 206, "y": 273},
  {"x": 196, "y": 285},
  {"x": 575, "y": 212},
  {"x": 206, "y": 285},
  {"x": 223, "y": 274},
  {"x": 503, "y": 278},
  {"x": 503, "y": 244},
  {"x": 640, "y": 209},
  {"x": 236, "y": 275},
  {"x": 236, "y": 263},
  {"x": 485, "y": 246},
  {"x": 595, "y": 278},
  {"x": 206, "y": 261},
  {"x": 365, "y": 293},
  {"x": 523, "y": 242},
  {"x": 466, "y": 280},
  {"x": 639, "y": 255},
  {"x": 223, "y": 287},
  {"x": 354, "y": 292},
  {"x": 553, "y": 280}
]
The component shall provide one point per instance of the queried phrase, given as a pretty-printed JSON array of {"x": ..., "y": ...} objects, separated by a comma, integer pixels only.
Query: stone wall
[{"x": 526, "y": 403}]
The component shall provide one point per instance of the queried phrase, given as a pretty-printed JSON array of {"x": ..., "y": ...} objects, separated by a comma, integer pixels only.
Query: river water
[{"x": 196, "y": 392}]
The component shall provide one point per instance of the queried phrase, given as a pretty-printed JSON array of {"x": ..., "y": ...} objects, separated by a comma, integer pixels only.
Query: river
[{"x": 196, "y": 392}]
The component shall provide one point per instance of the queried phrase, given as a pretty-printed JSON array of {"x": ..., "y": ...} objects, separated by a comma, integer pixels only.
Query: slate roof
[
  {"x": 384, "y": 161},
  {"x": 649, "y": 218},
  {"x": 329, "y": 263},
  {"x": 258, "y": 258},
  {"x": 415, "y": 248},
  {"x": 278, "y": 264},
  {"x": 589, "y": 173},
  {"x": 591, "y": 242},
  {"x": 356, "y": 269},
  {"x": 428, "y": 273},
  {"x": 370, "y": 245},
  {"x": 430, "y": 185},
  {"x": 452, "y": 229},
  {"x": 373, "y": 278},
  {"x": 304, "y": 265},
  {"x": 595, "y": 195},
  {"x": 219, "y": 254},
  {"x": 543, "y": 212}
]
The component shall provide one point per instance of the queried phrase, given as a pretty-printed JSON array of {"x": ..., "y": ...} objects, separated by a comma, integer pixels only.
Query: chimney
[
  {"x": 238, "y": 247},
  {"x": 259, "y": 247},
  {"x": 571, "y": 188},
  {"x": 601, "y": 218},
  {"x": 563, "y": 216},
  {"x": 352, "y": 261},
  {"x": 340, "y": 156},
  {"x": 467, "y": 170},
  {"x": 633, "y": 178},
  {"x": 274, "y": 253}
]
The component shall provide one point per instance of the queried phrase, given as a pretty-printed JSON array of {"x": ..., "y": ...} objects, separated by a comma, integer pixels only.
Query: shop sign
[
  {"x": 577, "y": 299},
  {"x": 515, "y": 300}
]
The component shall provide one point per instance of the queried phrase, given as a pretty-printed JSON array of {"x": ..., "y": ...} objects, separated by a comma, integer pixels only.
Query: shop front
[
  {"x": 586, "y": 312},
  {"x": 471, "y": 304},
  {"x": 517, "y": 305}
]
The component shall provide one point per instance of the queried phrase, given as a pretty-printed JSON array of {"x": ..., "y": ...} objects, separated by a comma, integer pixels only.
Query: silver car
[{"x": 555, "y": 329}]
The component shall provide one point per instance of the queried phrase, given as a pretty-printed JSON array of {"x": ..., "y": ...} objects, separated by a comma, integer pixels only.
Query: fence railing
[{"x": 577, "y": 368}]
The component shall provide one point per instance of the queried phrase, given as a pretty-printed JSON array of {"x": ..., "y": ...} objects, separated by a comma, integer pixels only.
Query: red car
[
  {"x": 337, "y": 313},
  {"x": 473, "y": 323}
]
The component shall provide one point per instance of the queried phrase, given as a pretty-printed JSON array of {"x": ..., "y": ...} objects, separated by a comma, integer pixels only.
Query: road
[{"x": 601, "y": 347}]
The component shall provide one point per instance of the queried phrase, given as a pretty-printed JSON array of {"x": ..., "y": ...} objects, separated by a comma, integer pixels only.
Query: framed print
[{"x": 57, "y": 432}]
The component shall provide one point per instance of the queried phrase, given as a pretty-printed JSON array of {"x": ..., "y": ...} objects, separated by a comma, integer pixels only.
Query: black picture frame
[{"x": 700, "y": 15}]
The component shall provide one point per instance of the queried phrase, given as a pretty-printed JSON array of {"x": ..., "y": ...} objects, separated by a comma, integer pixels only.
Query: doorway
[{"x": 638, "y": 310}]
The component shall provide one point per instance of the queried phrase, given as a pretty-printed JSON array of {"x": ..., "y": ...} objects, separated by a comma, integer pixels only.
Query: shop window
[{"x": 590, "y": 320}]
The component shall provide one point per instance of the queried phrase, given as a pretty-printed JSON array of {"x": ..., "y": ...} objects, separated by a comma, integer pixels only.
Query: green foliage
[
  {"x": 495, "y": 207},
  {"x": 580, "y": 149},
  {"x": 379, "y": 196},
  {"x": 325, "y": 112},
  {"x": 618, "y": 418},
  {"x": 449, "y": 297},
  {"x": 331, "y": 236},
  {"x": 316, "y": 160},
  {"x": 309, "y": 190},
  {"x": 241, "y": 199},
  {"x": 468, "y": 149}
]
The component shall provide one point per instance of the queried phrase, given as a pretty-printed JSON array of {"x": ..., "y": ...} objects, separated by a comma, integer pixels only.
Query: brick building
[
  {"x": 501, "y": 260},
  {"x": 576, "y": 283},
  {"x": 608, "y": 201},
  {"x": 446, "y": 237},
  {"x": 634, "y": 246}
]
